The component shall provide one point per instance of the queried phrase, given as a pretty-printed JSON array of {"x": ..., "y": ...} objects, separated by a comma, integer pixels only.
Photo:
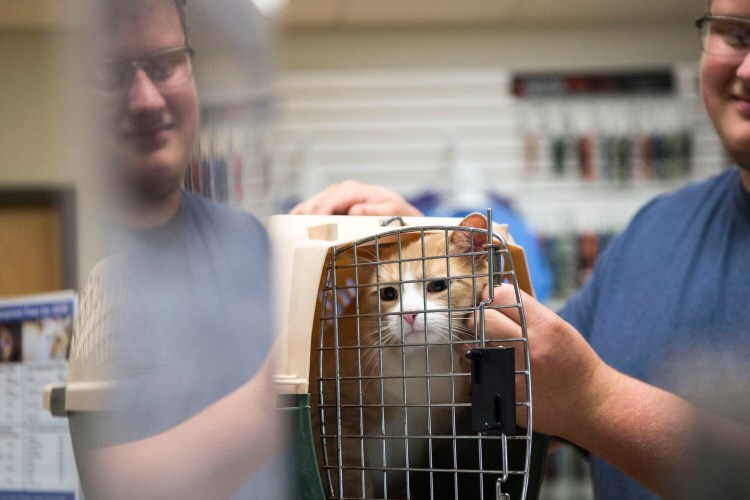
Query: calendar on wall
[{"x": 36, "y": 455}]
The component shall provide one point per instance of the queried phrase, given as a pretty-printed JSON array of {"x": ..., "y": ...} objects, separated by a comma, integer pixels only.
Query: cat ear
[{"x": 470, "y": 241}]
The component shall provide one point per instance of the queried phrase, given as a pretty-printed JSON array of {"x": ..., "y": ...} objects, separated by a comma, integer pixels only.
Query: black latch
[{"x": 493, "y": 390}]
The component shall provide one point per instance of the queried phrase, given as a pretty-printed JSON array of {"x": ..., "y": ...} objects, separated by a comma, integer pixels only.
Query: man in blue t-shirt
[{"x": 634, "y": 366}]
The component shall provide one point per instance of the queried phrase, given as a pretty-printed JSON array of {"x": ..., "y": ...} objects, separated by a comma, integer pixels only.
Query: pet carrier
[{"x": 395, "y": 389}]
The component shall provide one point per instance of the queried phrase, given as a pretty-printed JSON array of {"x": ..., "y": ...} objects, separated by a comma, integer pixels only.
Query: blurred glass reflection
[{"x": 170, "y": 367}]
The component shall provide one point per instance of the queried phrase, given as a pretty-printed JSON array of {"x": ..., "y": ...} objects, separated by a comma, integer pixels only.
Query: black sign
[{"x": 571, "y": 84}]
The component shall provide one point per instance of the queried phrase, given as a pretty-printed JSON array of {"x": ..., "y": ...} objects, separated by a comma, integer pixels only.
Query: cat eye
[
  {"x": 437, "y": 286},
  {"x": 388, "y": 293}
]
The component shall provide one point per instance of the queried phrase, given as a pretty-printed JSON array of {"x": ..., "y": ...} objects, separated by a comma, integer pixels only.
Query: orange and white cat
[
  {"x": 413, "y": 315},
  {"x": 396, "y": 382}
]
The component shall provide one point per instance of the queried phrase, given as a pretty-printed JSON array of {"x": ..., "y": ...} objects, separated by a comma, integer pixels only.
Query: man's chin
[
  {"x": 151, "y": 188},
  {"x": 737, "y": 147},
  {"x": 155, "y": 191}
]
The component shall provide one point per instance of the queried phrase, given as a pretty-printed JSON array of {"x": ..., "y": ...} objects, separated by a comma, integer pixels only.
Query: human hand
[
  {"x": 569, "y": 380},
  {"x": 356, "y": 198}
]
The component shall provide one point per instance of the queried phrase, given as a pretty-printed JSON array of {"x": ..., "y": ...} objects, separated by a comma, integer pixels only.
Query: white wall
[
  {"x": 339, "y": 88},
  {"x": 32, "y": 103},
  {"x": 547, "y": 47}
]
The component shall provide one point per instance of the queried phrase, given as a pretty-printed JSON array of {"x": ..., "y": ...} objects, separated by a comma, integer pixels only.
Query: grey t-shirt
[{"x": 187, "y": 320}]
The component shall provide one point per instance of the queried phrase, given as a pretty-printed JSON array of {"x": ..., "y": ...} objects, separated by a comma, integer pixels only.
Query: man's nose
[{"x": 143, "y": 95}]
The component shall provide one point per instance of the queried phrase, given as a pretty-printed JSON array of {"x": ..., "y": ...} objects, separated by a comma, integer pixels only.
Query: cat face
[{"x": 425, "y": 294}]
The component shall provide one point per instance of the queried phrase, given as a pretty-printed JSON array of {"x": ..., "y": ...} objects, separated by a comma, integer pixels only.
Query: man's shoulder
[
  {"x": 675, "y": 217},
  {"x": 205, "y": 212},
  {"x": 701, "y": 192},
  {"x": 687, "y": 204}
]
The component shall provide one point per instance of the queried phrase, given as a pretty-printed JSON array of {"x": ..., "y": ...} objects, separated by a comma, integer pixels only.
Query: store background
[{"x": 398, "y": 92}]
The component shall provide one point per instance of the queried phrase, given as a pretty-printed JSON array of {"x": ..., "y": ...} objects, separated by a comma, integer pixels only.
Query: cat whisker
[{"x": 370, "y": 358}]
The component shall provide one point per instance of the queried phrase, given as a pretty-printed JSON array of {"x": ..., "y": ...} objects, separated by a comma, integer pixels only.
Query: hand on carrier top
[{"x": 356, "y": 198}]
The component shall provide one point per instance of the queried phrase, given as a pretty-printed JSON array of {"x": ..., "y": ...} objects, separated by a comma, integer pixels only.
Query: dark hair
[{"x": 113, "y": 11}]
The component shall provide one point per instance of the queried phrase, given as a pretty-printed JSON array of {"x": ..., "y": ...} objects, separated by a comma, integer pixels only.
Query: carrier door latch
[{"x": 493, "y": 390}]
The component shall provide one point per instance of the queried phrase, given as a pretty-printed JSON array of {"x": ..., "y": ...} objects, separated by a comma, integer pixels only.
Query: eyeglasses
[
  {"x": 724, "y": 35},
  {"x": 165, "y": 68}
]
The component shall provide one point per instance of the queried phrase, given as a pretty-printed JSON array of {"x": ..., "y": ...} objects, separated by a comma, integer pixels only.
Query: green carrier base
[
  {"x": 309, "y": 486},
  {"x": 307, "y": 482}
]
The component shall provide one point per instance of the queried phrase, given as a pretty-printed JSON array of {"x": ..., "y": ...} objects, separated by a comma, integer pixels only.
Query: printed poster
[{"x": 36, "y": 455}]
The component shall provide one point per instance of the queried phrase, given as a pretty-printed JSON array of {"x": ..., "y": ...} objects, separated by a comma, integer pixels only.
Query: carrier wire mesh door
[{"x": 398, "y": 408}]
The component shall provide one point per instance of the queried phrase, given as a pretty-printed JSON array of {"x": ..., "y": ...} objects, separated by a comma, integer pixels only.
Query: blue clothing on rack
[{"x": 431, "y": 204}]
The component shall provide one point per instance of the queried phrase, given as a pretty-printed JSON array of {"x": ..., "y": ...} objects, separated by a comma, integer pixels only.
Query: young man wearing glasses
[
  {"x": 665, "y": 312},
  {"x": 146, "y": 94},
  {"x": 184, "y": 315}
]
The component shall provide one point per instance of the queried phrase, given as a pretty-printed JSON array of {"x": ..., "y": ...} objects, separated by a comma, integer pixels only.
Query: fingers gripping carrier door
[{"x": 414, "y": 399}]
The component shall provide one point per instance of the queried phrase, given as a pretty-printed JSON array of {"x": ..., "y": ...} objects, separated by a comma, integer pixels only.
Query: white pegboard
[{"x": 402, "y": 129}]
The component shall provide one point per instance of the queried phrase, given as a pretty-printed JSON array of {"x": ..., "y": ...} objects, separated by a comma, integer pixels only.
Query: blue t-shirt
[{"x": 673, "y": 286}]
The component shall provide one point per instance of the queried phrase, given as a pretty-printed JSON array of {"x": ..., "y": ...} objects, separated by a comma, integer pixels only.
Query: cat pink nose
[{"x": 410, "y": 318}]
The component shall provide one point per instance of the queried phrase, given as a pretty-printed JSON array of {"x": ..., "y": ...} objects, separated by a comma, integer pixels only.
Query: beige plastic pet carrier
[{"x": 395, "y": 389}]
